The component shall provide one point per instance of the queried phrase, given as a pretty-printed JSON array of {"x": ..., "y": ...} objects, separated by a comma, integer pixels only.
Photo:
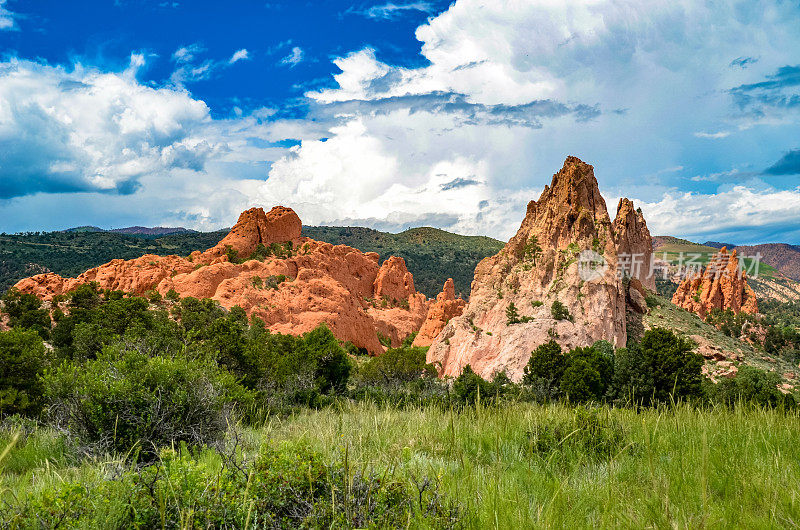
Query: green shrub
[
  {"x": 395, "y": 367},
  {"x": 25, "y": 312},
  {"x": 197, "y": 315},
  {"x": 532, "y": 249},
  {"x": 409, "y": 340},
  {"x": 583, "y": 374},
  {"x": 751, "y": 385},
  {"x": 587, "y": 374},
  {"x": 512, "y": 315},
  {"x": 260, "y": 253},
  {"x": 590, "y": 432},
  {"x": 173, "y": 295},
  {"x": 272, "y": 282},
  {"x": 384, "y": 340},
  {"x": 288, "y": 486},
  {"x": 469, "y": 387},
  {"x": 153, "y": 296},
  {"x": 544, "y": 369},
  {"x": 23, "y": 359},
  {"x": 86, "y": 296},
  {"x": 83, "y": 333},
  {"x": 293, "y": 371},
  {"x": 321, "y": 349},
  {"x": 559, "y": 311},
  {"x": 661, "y": 368},
  {"x": 125, "y": 401},
  {"x": 652, "y": 301},
  {"x": 232, "y": 254}
]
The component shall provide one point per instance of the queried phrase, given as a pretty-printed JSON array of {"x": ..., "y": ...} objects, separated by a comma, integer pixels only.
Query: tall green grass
[
  {"x": 674, "y": 468},
  {"x": 525, "y": 465}
]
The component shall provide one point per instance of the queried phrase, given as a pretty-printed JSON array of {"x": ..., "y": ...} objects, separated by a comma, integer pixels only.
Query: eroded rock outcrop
[
  {"x": 136, "y": 276},
  {"x": 296, "y": 288},
  {"x": 393, "y": 281},
  {"x": 565, "y": 250},
  {"x": 254, "y": 228},
  {"x": 634, "y": 244},
  {"x": 722, "y": 284},
  {"x": 445, "y": 307}
]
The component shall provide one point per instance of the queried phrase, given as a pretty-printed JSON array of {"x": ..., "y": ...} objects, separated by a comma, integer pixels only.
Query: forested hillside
[{"x": 71, "y": 253}]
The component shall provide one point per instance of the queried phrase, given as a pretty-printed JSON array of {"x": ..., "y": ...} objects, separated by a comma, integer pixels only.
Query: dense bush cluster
[
  {"x": 121, "y": 374},
  {"x": 287, "y": 486},
  {"x": 658, "y": 369}
]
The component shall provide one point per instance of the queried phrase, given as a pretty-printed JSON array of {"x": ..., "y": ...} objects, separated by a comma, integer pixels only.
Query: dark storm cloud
[
  {"x": 775, "y": 91},
  {"x": 789, "y": 164}
]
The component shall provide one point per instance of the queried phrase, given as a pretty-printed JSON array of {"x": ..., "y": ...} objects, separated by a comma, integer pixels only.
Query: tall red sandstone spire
[{"x": 541, "y": 264}]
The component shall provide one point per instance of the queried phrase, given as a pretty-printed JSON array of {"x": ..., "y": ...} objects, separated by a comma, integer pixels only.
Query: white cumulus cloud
[
  {"x": 239, "y": 55},
  {"x": 513, "y": 87},
  {"x": 740, "y": 214}
]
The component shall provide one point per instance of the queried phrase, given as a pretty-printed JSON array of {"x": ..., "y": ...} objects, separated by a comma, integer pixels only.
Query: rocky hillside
[
  {"x": 556, "y": 278},
  {"x": 723, "y": 354},
  {"x": 432, "y": 255},
  {"x": 268, "y": 268},
  {"x": 781, "y": 256}
]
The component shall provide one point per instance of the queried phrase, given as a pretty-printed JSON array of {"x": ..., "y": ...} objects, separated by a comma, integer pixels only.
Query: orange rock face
[
  {"x": 393, "y": 280},
  {"x": 566, "y": 251},
  {"x": 445, "y": 307},
  {"x": 255, "y": 227},
  {"x": 721, "y": 285},
  {"x": 349, "y": 290},
  {"x": 135, "y": 276},
  {"x": 634, "y": 244}
]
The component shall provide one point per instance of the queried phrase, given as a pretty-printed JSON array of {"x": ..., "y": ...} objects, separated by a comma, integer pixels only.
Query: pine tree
[{"x": 512, "y": 315}]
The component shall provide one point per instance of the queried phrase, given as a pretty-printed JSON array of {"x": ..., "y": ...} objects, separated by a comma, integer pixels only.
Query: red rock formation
[
  {"x": 255, "y": 227},
  {"x": 135, "y": 276},
  {"x": 445, "y": 307},
  {"x": 338, "y": 285},
  {"x": 393, "y": 280},
  {"x": 571, "y": 224},
  {"x": 634, "y": 244},
  {"x": 721, "y": 285}
]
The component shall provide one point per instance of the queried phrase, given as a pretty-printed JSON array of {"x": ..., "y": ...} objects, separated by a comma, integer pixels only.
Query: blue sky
[{"x": 399, "y": 113}]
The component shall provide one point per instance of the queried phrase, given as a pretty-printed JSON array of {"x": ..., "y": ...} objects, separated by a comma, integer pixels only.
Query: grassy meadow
[{"x": 513, "y": 466}]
